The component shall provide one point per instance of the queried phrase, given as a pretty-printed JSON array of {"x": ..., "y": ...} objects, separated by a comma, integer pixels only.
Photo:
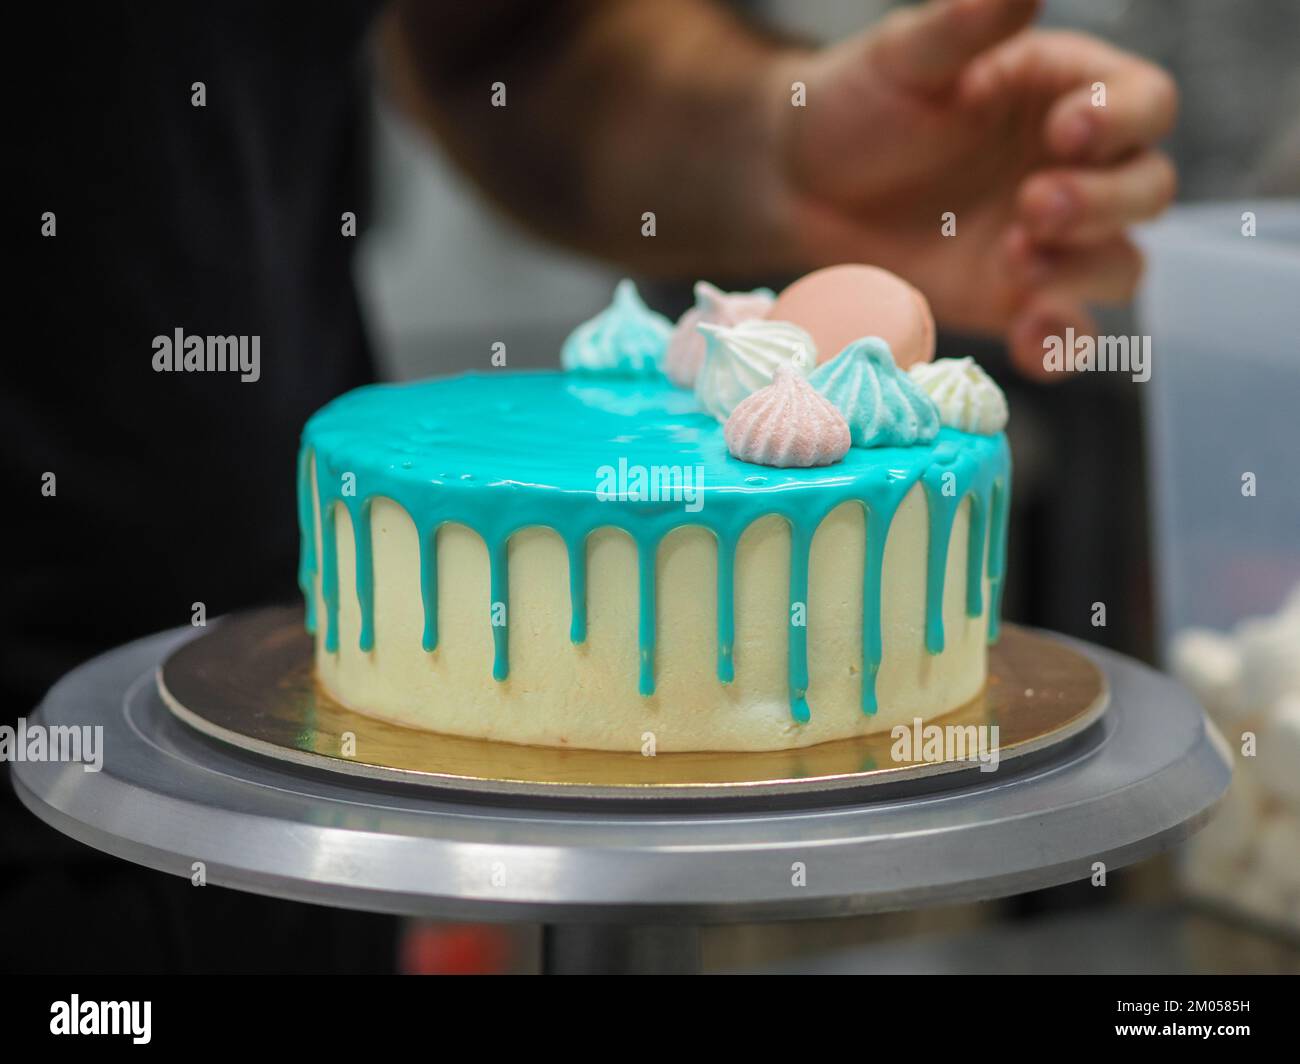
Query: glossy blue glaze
[{"x": 503, "y": 451}]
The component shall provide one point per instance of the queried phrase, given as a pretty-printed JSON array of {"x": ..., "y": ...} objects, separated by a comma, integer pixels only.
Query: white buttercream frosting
[
  {"x": 966, "y": 396},
  {"x": 741, "y": 359}
]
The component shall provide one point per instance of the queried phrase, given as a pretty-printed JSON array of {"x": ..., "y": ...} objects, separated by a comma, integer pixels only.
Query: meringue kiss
[
  {"x": 966, "y": 396},
  {"x": 740, "y": 359},
  {"x": 713, "y": 306},
  {"x": 787, "y": 424}
]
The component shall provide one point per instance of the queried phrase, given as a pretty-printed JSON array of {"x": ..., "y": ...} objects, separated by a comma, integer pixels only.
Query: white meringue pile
[
  {"x": 713, "y": 306},
  {"x": 1248, "y": 856},
  {"x": 741, "y": 359},
  {"x": 966, "y": 396}
]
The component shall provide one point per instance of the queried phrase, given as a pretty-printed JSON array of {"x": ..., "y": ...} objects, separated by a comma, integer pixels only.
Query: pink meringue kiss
[
  {"x": 840, "y": 304},
  {"x": 787, "y": 424},
  {"x": 713, "y": 306}
]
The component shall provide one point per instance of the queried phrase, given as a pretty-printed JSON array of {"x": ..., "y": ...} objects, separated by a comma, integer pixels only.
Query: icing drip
[
  {"x": 365, "y": 572},
  {"x": 740, "y": 359},
  {"x": 423, "y": 447},
  {"x": 712, "y": 307},
  {"x": 787, "y": 424},
  {"x": 577, "y": 591},
  {"x": 306, "y": 540},
  {"x": 625, "y": 339},
  {"x": 965, "y": 395},
  {"x": 800, "y": 549},
  {"x": 499, "y": 583},
  {"x": 726, "y": 607},
  {"x": 647, "y": 551},
  {"x": 429, "y": 591},
  {"x": 882, "y": 405},
  {"x": 1001, "y": 506}
]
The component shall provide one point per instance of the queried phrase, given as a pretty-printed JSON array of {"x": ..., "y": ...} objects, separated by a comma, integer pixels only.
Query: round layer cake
[{"x": 575, "y": 559}]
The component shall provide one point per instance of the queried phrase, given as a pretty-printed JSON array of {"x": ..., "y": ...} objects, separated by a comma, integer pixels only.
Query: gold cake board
[{"x": 248, "y": 681}]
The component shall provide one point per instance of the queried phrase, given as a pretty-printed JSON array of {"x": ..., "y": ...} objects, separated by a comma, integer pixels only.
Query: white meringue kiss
[
  {"x": 966, "y": 396},
  {"x": 787, "y": 424},
  {"x": 713, "y": 306},
  {"x": 742, "y": 358}
]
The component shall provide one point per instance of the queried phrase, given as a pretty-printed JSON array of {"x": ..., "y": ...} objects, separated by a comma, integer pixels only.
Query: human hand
[{"x": 954, "y": 106}]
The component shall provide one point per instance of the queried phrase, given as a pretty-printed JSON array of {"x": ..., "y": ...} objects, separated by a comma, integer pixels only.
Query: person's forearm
[{"x": 613, "y": 108}]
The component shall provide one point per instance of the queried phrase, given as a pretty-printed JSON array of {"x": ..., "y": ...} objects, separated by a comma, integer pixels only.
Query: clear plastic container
[{"x": 1223, "y": 401}]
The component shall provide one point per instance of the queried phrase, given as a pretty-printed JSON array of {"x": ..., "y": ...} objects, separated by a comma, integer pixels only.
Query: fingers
[
  {"x": 927, "y": 47},
  {"x": 1090, "y": 205},
  {"x": 1102, "y": 273},
  {"x": 1106, "y": 102},
  {"x": 1057, "y": 286},
  {"x": 1041, "y": 318},
  {"x": 1139, "y": 105}
]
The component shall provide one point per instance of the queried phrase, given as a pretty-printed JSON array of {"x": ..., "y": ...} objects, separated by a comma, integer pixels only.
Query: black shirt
[{"x": 224, "y": 219}]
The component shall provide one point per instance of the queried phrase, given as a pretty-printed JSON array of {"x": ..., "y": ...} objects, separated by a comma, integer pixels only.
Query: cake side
[{"x": 586, "y": 695}]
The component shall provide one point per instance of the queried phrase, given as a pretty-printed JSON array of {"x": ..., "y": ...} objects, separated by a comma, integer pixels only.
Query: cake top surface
[{"x": 541, "y": 433}]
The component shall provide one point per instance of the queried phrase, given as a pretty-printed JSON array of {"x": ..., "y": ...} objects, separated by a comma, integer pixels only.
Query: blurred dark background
[{"x": 438, "y": 272}]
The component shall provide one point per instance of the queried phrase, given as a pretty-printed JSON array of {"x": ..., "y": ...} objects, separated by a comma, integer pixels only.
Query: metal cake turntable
[{"x": 218, "y": 748}]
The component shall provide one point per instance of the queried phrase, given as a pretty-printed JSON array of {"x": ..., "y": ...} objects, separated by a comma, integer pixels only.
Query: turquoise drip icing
[
  {"x": 936, "y": 562},
  {"x": 306, "y": 542},
  {"x": 578, "y": 591},
  {"x": 329, "y": 581},
  {"x": 879, "y": 516},
  {"x": 429, "y": 588},
  {"x": 360, "y": 513},
  {"x": 944, "y": 495},
  {"x": 500, "y": 452},
  {"x": 499, "y": 582},
  {"x": 647, "y": 550},
  {"x": 999, "y": 509},
  {"x": 975, "y": 558},
  {"x": 800, "y": 548},
  {"x": 726, "y": 609}
]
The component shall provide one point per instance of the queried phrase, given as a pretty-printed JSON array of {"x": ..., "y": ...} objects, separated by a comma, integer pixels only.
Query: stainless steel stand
[{"x": 636, "y": 881}]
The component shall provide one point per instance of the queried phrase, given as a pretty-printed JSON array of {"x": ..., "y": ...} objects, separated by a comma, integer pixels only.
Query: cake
[{"x": 708, "y": 536}]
